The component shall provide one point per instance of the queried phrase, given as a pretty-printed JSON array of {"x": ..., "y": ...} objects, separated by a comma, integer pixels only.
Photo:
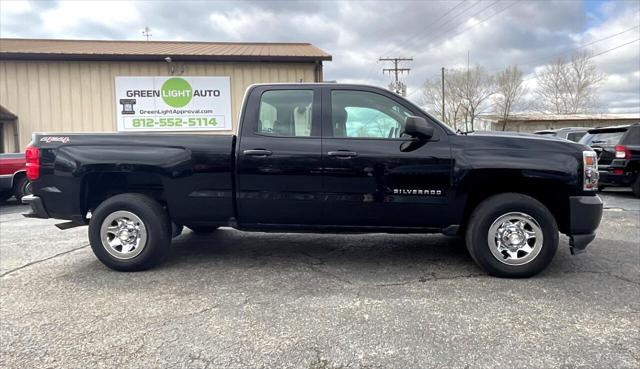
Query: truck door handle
[
  {"x": 257, "y": 152},
  {"x": 344, "y": 154}
]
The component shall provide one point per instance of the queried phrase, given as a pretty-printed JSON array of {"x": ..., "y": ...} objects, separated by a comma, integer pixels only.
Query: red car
[{"x": 13, "y": 178}]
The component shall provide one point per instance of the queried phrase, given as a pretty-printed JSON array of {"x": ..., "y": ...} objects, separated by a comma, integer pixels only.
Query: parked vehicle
[
  {"x": 568, "y": 133},
  {"x": 321, "y": 158},
  {"x": 13, "y": 179},
  {"x": 618, "y": 150}
]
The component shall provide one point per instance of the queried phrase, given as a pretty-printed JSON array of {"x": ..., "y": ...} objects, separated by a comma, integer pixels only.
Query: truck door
[
  {"x": 375, "y": 174},
  {"x": 279, "y": 176}
]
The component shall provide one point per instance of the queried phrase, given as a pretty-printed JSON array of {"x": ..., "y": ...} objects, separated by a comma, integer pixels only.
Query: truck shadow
[{"x": 348, "y": 256}]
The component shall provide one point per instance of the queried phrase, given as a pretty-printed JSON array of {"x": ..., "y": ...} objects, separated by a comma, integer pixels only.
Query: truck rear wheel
[
  {"x": 512, "y": 235},
  {"x": 130, "y": 232}
]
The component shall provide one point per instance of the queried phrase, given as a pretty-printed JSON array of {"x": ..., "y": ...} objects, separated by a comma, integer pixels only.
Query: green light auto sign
[
  {"x": 173, "y": 103},
  {"x": 176, "y": 92}
]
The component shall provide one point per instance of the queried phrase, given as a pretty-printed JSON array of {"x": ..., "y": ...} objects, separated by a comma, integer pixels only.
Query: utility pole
[
  {"x": 443, "y": 115},
  {"x": 146, "y": 32},
  {"x": 397, "y": 86}
]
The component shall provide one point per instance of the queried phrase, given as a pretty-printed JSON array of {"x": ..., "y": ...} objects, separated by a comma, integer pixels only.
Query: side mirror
[{"x": 418, "y": 127}]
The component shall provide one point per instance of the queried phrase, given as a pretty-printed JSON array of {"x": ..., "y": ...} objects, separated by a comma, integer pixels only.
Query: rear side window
[
  {"x": 586, "y": 139},
  {"x": 286, "y": 113},
  {"x": 607, "y": 138},
  {"x": 575, "y": 136},
  {"x": 632, "y": 137}
]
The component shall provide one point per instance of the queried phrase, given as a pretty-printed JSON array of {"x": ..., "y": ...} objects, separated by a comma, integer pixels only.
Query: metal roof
[{"x": 49, "y": 49}]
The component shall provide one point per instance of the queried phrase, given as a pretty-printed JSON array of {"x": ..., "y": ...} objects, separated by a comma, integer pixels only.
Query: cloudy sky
[{"x": 434, "y": 33}]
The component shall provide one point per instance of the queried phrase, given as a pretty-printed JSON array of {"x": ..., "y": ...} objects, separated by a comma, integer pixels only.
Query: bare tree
[
  {"x": 477, "y": 86},
  {"x": 466, "y": 93},
  {"x": 569, "y": 87},
  {"x": 509, "y": 91},
  {"x": 432, "y": 99}
]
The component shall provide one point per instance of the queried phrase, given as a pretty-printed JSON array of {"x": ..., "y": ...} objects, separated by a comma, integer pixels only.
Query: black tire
[
  {"x": 155, "y": 221},
  {"x": 488, "y": 212},
  {"x": 635, "y": 187},
  {"x": 21, "y": 188},
  {"x": 5, "y": 195},
  {"x": 202, "y": 229}
]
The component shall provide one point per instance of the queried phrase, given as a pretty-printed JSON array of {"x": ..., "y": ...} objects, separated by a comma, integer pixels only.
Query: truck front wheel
[
  {"x": 512, "y": 235},
  {"x": 130, "y": 232}
]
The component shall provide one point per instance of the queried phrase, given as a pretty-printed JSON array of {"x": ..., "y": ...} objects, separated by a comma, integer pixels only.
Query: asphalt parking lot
[{"x": 255, "y": 300}]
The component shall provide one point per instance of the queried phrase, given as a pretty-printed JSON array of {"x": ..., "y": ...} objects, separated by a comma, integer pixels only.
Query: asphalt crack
[
  {"x": 603, "y": 272},
  {"x": 42, "y": 260},
  {"x": 431, "y": 277}
]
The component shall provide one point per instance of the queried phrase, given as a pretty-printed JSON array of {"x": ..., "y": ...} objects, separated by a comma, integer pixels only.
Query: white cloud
[
  {"x": 69, "y": 17},
  {"x": 528, "y": 33}
]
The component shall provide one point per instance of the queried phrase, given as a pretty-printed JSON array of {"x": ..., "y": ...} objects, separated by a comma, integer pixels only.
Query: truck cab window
[
  {"x": 366, "y": 114},
  {"x": 286, "y": 113}
]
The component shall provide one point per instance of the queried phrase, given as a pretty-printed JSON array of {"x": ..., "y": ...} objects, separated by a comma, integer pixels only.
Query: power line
[
  {"x": 484, "y": 20},
  {"x": 579, "y": 46},
  {"x": 475, "y": 14},
  {"x": 420, "y": 32},
  {"x": 440, "y": 35},
  {"x": 598, "y": 54},
  {"x": 590, "y": 57},
  {"x": 396, "y": 47},
  {"x": 411, "y": 40},
  {"x": 614, "y": 48}
]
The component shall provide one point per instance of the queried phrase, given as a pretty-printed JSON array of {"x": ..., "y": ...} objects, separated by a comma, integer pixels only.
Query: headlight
[{"x": 590, "y": 172}]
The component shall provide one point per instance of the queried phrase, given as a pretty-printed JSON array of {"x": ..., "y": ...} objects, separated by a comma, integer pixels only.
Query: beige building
[
  {"x": 69, "y": 85},
  {"x": 538, "y": 122}
]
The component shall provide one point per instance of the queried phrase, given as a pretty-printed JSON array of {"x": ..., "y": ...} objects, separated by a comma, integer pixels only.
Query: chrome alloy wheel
[
  {"x": 123, "y": 235},
  {"x": 515, "y": 238}
]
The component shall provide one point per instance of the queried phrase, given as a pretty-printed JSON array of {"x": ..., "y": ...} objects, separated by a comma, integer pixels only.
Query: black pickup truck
[{"x": 321, "y": 158}]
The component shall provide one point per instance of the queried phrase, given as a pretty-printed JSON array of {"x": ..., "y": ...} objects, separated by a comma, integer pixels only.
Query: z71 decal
[{"x": 50, "y": 139}]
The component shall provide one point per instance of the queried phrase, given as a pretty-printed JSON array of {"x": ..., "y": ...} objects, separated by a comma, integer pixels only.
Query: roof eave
[{"x": 159, "y": 58}]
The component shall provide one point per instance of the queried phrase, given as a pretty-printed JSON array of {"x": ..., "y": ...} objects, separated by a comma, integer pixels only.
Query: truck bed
[{"x": 193, "y": 172}]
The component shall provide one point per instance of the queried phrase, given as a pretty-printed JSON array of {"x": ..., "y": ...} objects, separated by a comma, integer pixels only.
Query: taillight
[
  {"x": 590, "y": 172},
  {"x": 622, "y": 152},
  {"x": 32, "y": 156}
]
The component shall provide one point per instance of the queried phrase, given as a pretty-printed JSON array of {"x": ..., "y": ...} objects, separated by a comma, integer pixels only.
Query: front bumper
[
  {"x": 37, "y": 207},
  {"x": 6, "y": 182},
  {"x": 585, "y": 213}
]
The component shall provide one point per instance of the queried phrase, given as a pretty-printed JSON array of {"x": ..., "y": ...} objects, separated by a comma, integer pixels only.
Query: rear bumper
[
  {"x": 616, "y": 180},
  {"x": 624, "y": 177},
  {"x": 585, "y": 213},
  {"x": 37, "y": 207}
]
